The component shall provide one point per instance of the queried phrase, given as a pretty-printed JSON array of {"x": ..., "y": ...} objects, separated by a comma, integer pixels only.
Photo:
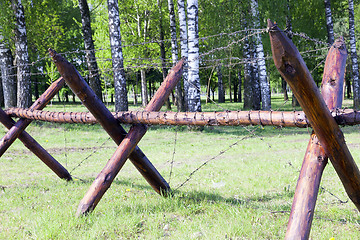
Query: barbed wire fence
[{"x": 209, "y": 58}]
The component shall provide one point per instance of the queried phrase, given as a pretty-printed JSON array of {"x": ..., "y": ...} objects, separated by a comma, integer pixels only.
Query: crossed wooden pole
[{"x": 327, "y": 140}]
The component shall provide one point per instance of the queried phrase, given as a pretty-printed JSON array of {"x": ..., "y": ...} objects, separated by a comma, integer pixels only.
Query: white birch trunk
[
  {"x": 144, "y": 92},
  {"x": 264, "y": 84},
  {"x": 194, "y": 103},
  {"x": 21, "y": 57},
  {"x": 94, "y": 77},
  {"x": 354, "y": 61},
  {"x": 8, "y": 75},
  {"x": 184, "y": 47},
  {"x": 121, "y": 101},
  {"x": 329, "y": 22},
  {"x": 221, "y": 92}
]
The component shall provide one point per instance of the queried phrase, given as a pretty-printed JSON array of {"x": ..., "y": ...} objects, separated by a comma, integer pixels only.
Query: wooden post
[
  {"x": 292, "y": 67},
  {"x": 39, "y": 104},
  {"x": 137, "y": 131},
  {"x": 107, "y": 121},
  {"x": 315, "y": 160},
  {"x": 35, "y": 147}
]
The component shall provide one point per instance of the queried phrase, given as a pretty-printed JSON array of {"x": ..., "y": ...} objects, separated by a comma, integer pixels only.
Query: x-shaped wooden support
[
  {"x": 16, "y": 130},
  {"x": 127, "y": 142},
  {"x": 292, "y": 67}
]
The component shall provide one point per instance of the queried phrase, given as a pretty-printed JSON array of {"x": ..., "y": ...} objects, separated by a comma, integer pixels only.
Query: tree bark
[
  {"x": 194, "y": 103},
  {"x": 354, "y": 61},
  {"x": 255, "y": 83},
  {"x": 329, "y": 22},
  {"x": 94, "y": 76},
  {"x": 7, "y": 74},
  {"x": 239, "y": 98},
  {"x": 184, "y": 47},
  {"x": 121, "y": 101},
  {"x": 162, "y": 50},
  {"x": 21, "y": 57},
  {"x": 264, "y": 84},
  {"x": 144, "y": 92},
  {"x": 174, "y": 54},
  {"x": 248, "y": 93},
  {"x": 221, "y": 92}
]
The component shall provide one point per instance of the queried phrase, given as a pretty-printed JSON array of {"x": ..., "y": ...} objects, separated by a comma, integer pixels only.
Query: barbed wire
[{"x": 137, "y": 63}]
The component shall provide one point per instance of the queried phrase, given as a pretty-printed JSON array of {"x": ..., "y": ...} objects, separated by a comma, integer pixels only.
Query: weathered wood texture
[
  {"x": 107, "y": 121},
  {"x": 137, "y": 131},
  {"x": 315, "y": 160},
  {"x": 39, "y": 104},
  {"x": 35, "y": 147},
  {"x": 229, "y": 118},
  {"x": 292, "y": 67}
]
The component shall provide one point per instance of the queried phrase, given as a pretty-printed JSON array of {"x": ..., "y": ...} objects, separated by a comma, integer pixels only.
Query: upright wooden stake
[
  {"x": 292, "y": 67},
  {"x": 107, "y": 121},
  {"x": 137, "y": 131},
  {"x": 39, "y": 104},
  {"x": 315, "y": 160}
]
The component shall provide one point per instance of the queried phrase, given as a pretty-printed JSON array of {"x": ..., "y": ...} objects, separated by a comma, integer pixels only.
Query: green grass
[{"x": 245, "y": 193}]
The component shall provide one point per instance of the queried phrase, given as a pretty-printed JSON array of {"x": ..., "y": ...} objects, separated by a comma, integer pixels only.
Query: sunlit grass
[{"x": 242, "y": 192}]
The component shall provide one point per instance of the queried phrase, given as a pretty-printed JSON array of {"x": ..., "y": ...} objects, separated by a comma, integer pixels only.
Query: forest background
[{"x": 231, "y": 46}]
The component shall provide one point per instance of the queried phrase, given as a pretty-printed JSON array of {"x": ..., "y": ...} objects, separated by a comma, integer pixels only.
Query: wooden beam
[
  {"x": 36, "y": 148},
  {"x": 20, "y": 126},
  {"x": 228, "y": 118},
  {"x": 107, "y": 121},
  {"x": 137, "y": 131},
  {"x": 292, "y": 67},
  {"x": 315, "y": 160}
]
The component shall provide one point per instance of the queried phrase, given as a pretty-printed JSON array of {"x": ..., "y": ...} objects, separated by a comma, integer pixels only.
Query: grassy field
[{"x": 244, "y": 190}]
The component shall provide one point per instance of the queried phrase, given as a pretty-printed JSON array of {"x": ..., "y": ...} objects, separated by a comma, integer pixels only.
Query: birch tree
[
  {"x": 21, "y": 56},
  {"x": 264, "y": 84},
  {"x": 354, "y": 62},
  {"x": 221, "y": 92},
  {"x": 94, "y": 77},
  {"x": 329, "y": 22},
  {"x": 174, "y": 54},
  {"x": 8, "y": 74},
  {"x": 193, "y": 93},
  {"x": 184, "y": 47},
  {"x": 121, "y": 101}
]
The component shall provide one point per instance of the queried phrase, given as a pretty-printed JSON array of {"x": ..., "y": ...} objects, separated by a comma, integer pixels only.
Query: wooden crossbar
[
  {"x": 16, "y": 130},
  {"x": 293, "y": 68}
]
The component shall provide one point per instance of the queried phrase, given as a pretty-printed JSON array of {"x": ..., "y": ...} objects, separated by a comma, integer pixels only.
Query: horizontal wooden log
[
  {"x": 79, "y": 86},
  {"x": 293, "y": 69},
  {"x": 229, "y": 118},
  {"x": 137, "y": 131}
]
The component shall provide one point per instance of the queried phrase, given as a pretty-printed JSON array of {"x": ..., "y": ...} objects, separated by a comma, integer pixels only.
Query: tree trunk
[
  {"x": 329, "y": 22},
  {"x": 284, "y": 89},
  {"x": 248, "y": 93},
  {"x": 221, "y": 92},
  {"x": 162, "y": 50},
  {"x": 255, "y": 83},
  {"x": 121, "y": 101},
  {"x": 94, "y": 76},
  {"x": 21, "y": 57},
  {"x": 184, "y": 47},
  {"x": 174, "y": 53},
  {"x": 354, "y": 62},
  {"x": 239, "y": 97},
  {"x": 194, "y": 102},
  {"x": 264, "y": 84},
  {"x": 144, "y": 93},
  {"x": 8, "y": 75}
]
